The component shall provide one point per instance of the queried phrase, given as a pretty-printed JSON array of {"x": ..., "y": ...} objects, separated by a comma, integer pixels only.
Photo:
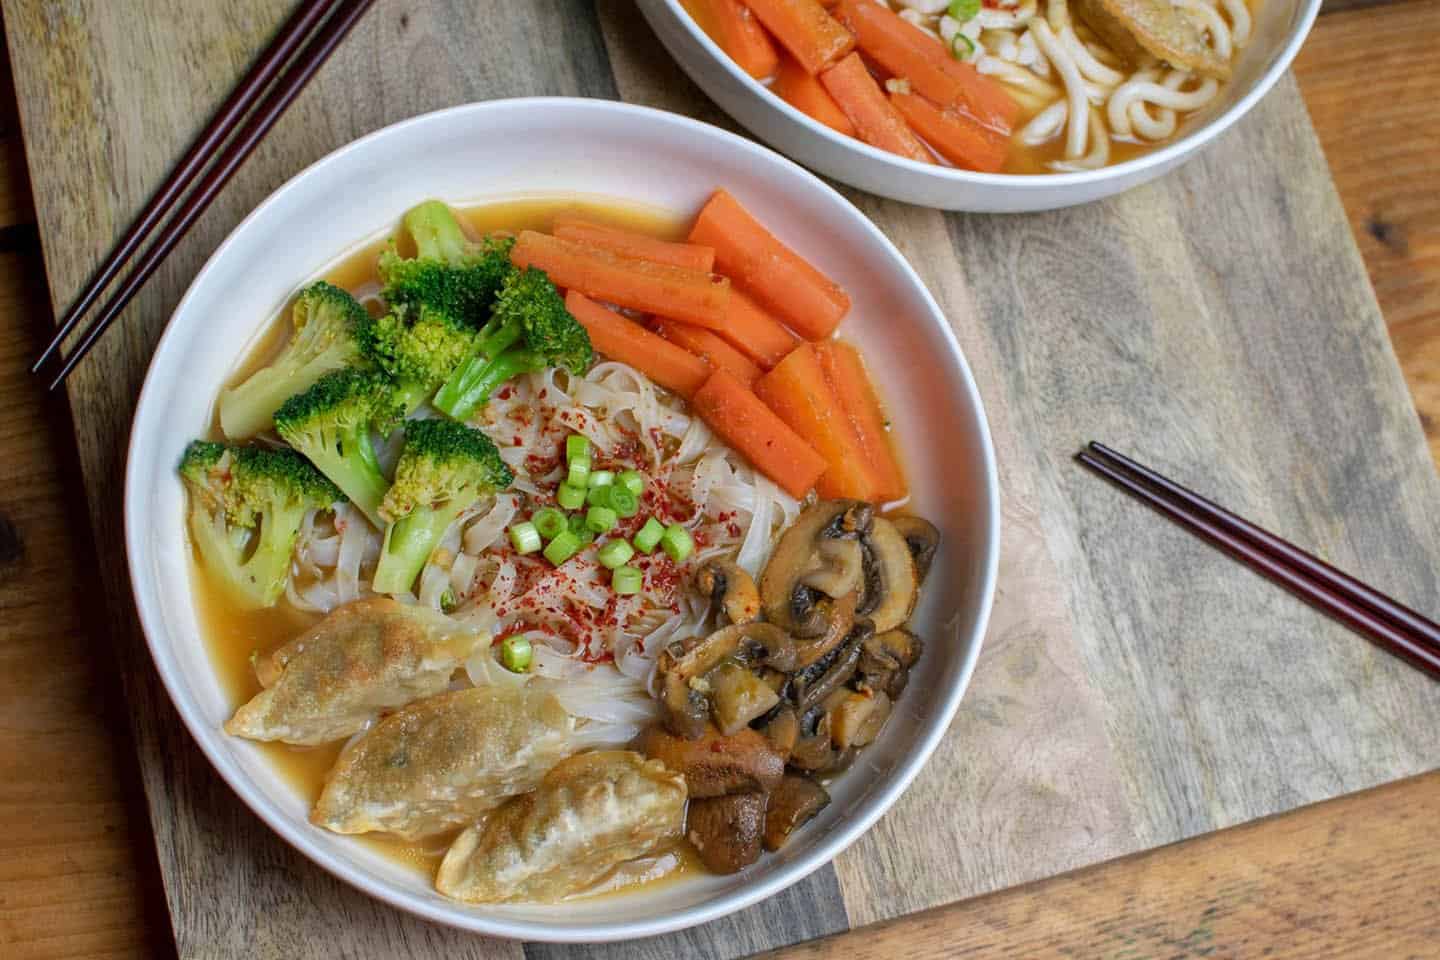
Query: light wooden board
[{"x": 1085, "y": 735}]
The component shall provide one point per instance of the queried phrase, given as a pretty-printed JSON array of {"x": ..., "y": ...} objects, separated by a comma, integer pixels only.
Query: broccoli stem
[
  {"x": 436, "y": 232},
  {"x": 476, "y": 392},
  {"x": 352, "y": 466},
  {"x": 409, "y": 542},
  {"x": 495, "y": 338}
]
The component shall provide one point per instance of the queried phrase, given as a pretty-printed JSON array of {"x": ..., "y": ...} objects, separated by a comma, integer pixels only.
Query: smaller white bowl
[{"x": 1280, "y": 28}]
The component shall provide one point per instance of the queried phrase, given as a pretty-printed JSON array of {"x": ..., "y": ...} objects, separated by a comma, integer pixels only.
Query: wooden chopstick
[
  {"x": 268, "y": 110},
  {"x": 1390, "y": 625}
]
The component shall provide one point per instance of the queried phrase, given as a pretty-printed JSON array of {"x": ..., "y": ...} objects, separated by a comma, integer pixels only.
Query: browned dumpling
[
  {"x": 442, "y": 762},
  {"x": 590, "y": 814},
  {"x": 364, "y": 658}
]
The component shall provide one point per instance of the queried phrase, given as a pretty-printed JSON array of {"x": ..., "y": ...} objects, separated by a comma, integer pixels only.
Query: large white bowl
[
  {"x": 547, "y": 146},
  {"x": 1280, "y": 28}
]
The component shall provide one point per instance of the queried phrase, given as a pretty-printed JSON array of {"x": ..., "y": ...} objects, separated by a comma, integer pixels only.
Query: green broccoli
[
  {"x": 327, "y": 322},
  {"x": 419, "y": 346},
  {"x": 246, "y": 507},
  {"x": 529, "y": 329},
  {"x": 444, "y": 468},
  {"x": 331, "y": 424},
  {"x": 448, "y": 273}
]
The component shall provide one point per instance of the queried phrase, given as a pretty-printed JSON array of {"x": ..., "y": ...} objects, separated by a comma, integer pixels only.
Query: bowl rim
[
  {"x": 161, "y": 369},
  {"x": 1030, "y": 182}
]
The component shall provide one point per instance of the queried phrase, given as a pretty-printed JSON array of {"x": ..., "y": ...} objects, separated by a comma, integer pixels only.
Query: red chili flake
[{"x": 517, "y": 441}]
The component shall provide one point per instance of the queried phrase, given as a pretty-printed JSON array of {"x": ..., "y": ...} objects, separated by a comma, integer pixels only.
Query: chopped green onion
[
  {"x": 632, "y": 480},
  {"x": 601, "y": 519},
  {"x": 622, "y": 501},
  {"x": 677, "y": 542},
  {"x": 579, "y": 472},
  {"x": 578, "y": 527},
  {"x": 598, "y": 496},
  {"x": 601, "y": 478},
  {"x": 963, "y": 11},
  {"x": 563, "y": 547},
  {"x": 549, "y": 522},
  {"x": 576, "y": 447},
  {"x": 616, "y": 553},
  {"x": 516, "y": 654},
  {"x": 647, "y": 538},
  {"x": 962, "y": 46},
  {"x": 627, "y": 580},
  {"x": 448, "y": 601},
  {"x": 524, "y": 537},
  {"x": 570, "y": 496}
]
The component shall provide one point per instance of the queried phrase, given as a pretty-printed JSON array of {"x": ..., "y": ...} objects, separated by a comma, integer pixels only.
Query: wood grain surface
[{"x": 1050, "y": 674}]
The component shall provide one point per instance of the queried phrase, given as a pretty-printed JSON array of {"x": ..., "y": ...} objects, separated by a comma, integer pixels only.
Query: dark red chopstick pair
[
  {"x": 1388, "y": 624},
  {"x": 314, "y": 30}
]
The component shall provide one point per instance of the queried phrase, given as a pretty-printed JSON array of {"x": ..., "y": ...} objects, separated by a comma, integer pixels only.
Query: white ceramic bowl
[
  {"x": 548, "y": 146},
  {"x": 1280, "y": 28}
]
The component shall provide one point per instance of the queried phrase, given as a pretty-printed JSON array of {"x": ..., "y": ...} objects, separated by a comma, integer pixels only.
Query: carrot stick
[
  {"x": 779, "y": 278},
  {"x": 625, "y": 281},
  {"x": 845, "y": 372},
  {"x": 715, "y": 352},
  {"x": 906, "y": 51},
  {"x": 804, "y": 93},
  {"x": 619, "y": 338},
  {"x": 799, "y": 394},
  {"x": 952, "y": 134},
  {"x": 876, "y": 121},
  {"x": 752, "y": 331},
  {"x": 740, "y": 35},
  {"x": 804, "y": 28},
  {"x": 739, "y": 418},
  {"x": 630, "y": 244}
]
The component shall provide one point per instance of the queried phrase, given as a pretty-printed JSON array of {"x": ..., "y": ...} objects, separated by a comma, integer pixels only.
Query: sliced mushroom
[
  {"x": 794, "y": 803},
  {"x": 839, "y": 621},
  {"x": 885, "y": 660},
  {"x": 782, "y": 729},
  {"x": 872, "y": 725},
  {"x": 922, "y": 538},
  {"x": 856, "y": 716},
  {"x": 737, "y": 696},
  {"x": 836, "y": 568},
  {"x": 813, "y": 684},
  {"x": 813, "y": 751},
  {"x": 682, "y": 669},
  {"x": 714, "y": 765},
  {"x": 783, "y": 596},
  {"x": 891, "y": 584},
  {"x": 726, "y": 831},
  {"x": 731, "y": 589}
]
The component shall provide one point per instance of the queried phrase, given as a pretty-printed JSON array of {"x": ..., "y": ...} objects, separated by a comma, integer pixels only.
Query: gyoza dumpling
[
  {"x": 364, "y": 658},
  {"x": 590, "y": 814},
  {"x": 442, "y": 762}
]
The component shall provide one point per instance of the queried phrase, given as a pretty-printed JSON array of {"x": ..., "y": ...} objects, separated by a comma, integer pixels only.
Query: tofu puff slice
[
  {"x": 366, "y": 657},
  {"x": 443, "y": 762},
  {"x": 590, "y": 814}
]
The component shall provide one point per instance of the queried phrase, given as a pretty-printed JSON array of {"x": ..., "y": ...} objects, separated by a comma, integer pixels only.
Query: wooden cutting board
[{"x": 1135, "y": 687}]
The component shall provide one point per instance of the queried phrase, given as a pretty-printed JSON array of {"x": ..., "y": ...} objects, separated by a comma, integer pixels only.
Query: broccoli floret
[
  {"x": 448, "y": 273},
  {"x": 444, "y": 468},
  {"x": 327, "y": 322},
  {"x": 419, "y": 346},
  {"x": 246, "y": 507},
  {"x": 529, "y": 329},
  {"x": 331, "y": 424}
]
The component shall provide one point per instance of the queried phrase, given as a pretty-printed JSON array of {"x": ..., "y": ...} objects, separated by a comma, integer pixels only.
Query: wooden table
[{"x": 1306, "y": 881}]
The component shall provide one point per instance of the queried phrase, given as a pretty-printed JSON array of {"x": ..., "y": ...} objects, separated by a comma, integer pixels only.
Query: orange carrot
[
  {"x": 804, "y": 93},
  {"x": 952, "y": 134},
  {"x": 804, "y": 28},
  {"x": 710, "y": 348},
  {"x": 626, "y": 340},
  {"x": 740, "y": 35},
  {"x": 799, "y": 394},
  {"x": 845, "y": 372},
  {"x": 906, "y": 51},
  {"x": 629, "y": 244},
  {"x": 739, "y": 418},
  {"x": 779, "y": 278},
  {"x": 752, "y": 331},
  {"x": 876, "y": 120},
  {"x": 625, "y": 281}
]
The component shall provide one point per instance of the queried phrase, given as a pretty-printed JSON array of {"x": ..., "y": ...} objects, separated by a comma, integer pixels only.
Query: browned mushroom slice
[
  {"x": 786, "y": 600},
  {"x": 813, "y": 684},
  {"x": 922, "y": 538},
  {"x": 726, "y": 831},
  {"x": 730, "y": 589},
  {"x": 782, "y": 729},
  {"x": 714, "y": 765},
  {"x": 886, "y": 658},
  {"x": 856, "y": 716},
  {"x": 683, "y": 669},
  {"x": 1157, "y": 28},
  {"x": 737, "y": 696},
  {"x": 836, "y": 568},
  {"x": 813, "y": 751},
  {"x": 839, "y": 617},
  {"x": 794, "y": 803},
  {"x": 891, "y": 584}
]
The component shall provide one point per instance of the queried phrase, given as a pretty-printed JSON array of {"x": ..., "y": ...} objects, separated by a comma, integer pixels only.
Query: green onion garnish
[
  {"x": 516, "y": 654},
  {"x": 524, "y": 537},
  {"x": 576, "y": 446},
  {"x": 622, "y": 500},
  {"x": 616, "y": 553},
  {"x": 563, "y": 547},
  {"x": 570, "y": 496},
  {"x": 579, "y": 472},
  {"x": 549, "y": 522},
  {"x": 581, "y": 531},
  {"x": 627, "y": 580},
  {"x": 962, "y": 46},
  {"x": 677, "y": 542},
  {"x": 632, "y": 480},
  {"x": 963, "y": 11},
  {"x": 601, "y": 519},
  {"x": 447, "y": 601},
  {"x": 601, "y": 478},
  {"x": 647, "y": 538}
]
